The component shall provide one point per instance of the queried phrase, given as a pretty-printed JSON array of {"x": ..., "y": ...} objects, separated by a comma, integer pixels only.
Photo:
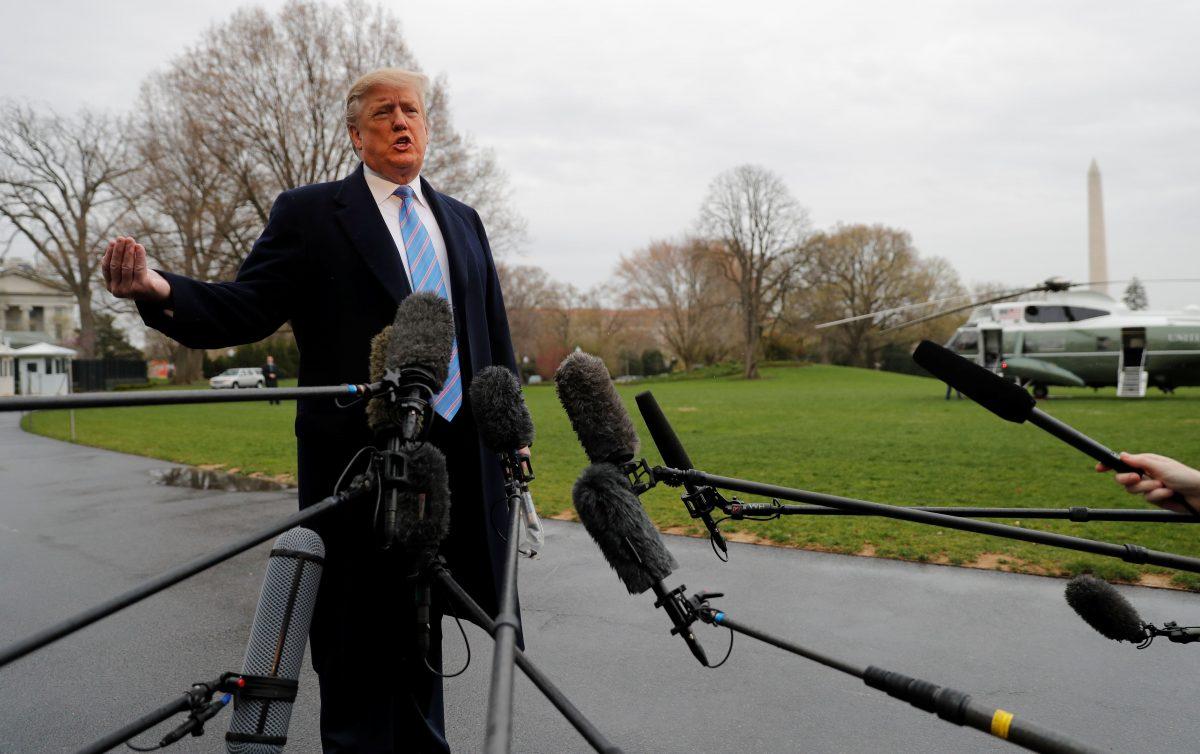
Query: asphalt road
[{"x": 78, "y": 525}]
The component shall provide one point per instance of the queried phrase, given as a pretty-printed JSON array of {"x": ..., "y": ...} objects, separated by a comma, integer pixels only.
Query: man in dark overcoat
[{"x": 335, "y": 259}]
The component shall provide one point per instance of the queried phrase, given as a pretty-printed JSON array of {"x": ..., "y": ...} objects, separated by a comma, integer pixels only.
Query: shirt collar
[{"x": 382, "y": 189}]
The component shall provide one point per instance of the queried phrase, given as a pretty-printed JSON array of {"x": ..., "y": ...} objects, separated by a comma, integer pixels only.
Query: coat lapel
[
  {"x": 359, "y": 217},
  {"x": 454, "y": 234}
]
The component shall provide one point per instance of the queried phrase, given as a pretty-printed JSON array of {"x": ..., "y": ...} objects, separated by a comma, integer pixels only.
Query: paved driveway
[{"x": 78, "y": 525}]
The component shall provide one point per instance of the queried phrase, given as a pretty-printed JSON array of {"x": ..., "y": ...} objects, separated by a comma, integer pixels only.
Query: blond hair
[{"x": 382, "y": 77}]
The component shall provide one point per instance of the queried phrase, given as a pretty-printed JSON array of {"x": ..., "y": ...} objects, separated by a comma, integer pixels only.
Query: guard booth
[
  {"x": 43, "y": 369},
  {"x": 1131, "y": 371},
  {"x": 8, "y": 384}
]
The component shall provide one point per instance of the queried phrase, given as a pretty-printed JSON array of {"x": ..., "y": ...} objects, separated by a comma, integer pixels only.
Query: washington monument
[{"x": 1097, "y": 248}]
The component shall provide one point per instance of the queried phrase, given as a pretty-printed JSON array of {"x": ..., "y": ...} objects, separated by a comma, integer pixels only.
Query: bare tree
[
  {"x": 58, "y": 179},
  {"x": 683, "y": 283},
  {"x": 535, "y": 303},
  {"x": 860, "y": 269},
  {"x": 194, "y": 216},
  {"x": 759, "y": 229},
  {"x": 273, "y": 90}
]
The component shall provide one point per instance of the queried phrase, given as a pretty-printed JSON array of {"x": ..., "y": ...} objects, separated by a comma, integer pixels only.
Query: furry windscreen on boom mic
[
  {"x": 595, "y": 410},
  {"x": 616, "y": 520},
  {"x": 1105, "y": 609},
  {"x": 422, "y": 337},
  {"x": 500, "y": 412},
  {"x": 423, "y": 515},
  {"x": 1002, "y": 397}
]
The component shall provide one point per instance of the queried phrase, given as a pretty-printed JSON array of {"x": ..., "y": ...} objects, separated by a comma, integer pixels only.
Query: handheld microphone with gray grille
[{"x": 263, "y": 707}]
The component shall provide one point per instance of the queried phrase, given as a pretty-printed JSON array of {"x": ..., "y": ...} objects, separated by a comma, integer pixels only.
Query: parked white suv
[{"x": 238, "y": 377}]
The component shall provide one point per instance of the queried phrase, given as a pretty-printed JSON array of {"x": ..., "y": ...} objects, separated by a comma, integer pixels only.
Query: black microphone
[
  {"x": 505, "y": 427},
  {"x": 422, "y": 523},
  {"x": 415, "y": 350},
  {"x": 414, "y": 353},
  {"x": 499, "y": 410},
  {"x": 698, "y": 499},
  {"x": 1010, "y": 402},
  {"x": 263, "y": 706},
  {"x": 1106, "y": 610},
  {"x": 617, "y": 522},
  {"x": 595, "y": 410}
]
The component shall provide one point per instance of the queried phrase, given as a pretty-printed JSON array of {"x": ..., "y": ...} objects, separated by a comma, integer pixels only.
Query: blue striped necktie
[{"x": 426, "y": 275}]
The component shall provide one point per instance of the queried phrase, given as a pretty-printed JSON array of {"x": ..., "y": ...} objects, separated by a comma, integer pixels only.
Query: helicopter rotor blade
[
  {"x": 944, "y": 312},
  {"x": 893, "y": 310}
]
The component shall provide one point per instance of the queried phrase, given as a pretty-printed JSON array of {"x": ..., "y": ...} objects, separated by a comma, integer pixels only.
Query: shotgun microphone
[
  {"x": 597, "y": 415},
  {"x": 1010, "y": 402},
  {"x": 263, "y": 707},
  {"x": 1106, "y": 610},
  {"x": 618, "y": 524},
  {"x": 698, "y": 498}
]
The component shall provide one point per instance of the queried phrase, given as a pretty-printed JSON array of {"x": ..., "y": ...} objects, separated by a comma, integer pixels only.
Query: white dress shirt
[{"x": 389, "y": 206}]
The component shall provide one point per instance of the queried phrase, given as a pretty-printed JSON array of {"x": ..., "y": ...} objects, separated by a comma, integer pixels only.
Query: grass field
[{"x": 880, "y": 436}]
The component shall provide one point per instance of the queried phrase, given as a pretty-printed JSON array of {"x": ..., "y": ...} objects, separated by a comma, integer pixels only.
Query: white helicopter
[{"x": 1053, "y": 335}]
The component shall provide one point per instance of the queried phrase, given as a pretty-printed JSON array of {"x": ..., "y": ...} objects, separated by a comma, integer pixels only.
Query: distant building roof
[{"x": 44, "y": 349}]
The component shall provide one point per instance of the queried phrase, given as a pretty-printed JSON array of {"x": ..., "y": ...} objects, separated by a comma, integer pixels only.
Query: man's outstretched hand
[
  {"x": 126, "y": 274},
  {"x": 1163, "y": 477}
]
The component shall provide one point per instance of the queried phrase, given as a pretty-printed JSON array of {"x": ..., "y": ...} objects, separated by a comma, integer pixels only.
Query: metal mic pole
[
  {"x": 175, "y": 397},
  {"x": 741, "y": 511},
  {"x": 19, "y": 649},
  {"x": 476, "y": 615},
  {"x": 500, "y": 697},
  {"x": 949, "y": 704},
  {"x": 1130, "y": 553},
  {"x": 144, "y": 723}
]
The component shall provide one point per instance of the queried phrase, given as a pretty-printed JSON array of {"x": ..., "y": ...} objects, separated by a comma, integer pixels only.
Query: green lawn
[{"x": 880, "y": 436}]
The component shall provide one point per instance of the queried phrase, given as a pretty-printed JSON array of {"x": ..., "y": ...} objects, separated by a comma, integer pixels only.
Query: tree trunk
[
  {"x": 751, "y": 345},
  {"x": 189, "y": 365},
  {"x": 87, "y": 325}
]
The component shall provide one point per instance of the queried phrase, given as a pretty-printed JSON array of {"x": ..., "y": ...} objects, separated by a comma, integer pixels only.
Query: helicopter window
[
  {"x": 1061, "y": 313},
  {"x": 1076, "y": 313},
  {"x": 965, "y": 341}
]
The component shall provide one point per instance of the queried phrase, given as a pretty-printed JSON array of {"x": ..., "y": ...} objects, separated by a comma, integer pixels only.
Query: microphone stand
[
  {"x": 476, "y": 615},
  {"x": 518, "y": 472},
  {"x": 739, "y": 510},
  {"x": 197, "y": 701},
  {"x": 359, "y": 486},
  {"x": 175, "y": 397},
  {"x": 949, "y": 704},
  {"x": 1130, "y": 553}
]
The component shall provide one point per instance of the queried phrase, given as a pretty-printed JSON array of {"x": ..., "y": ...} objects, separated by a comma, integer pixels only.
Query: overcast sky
[{"x": 969, "y": 124}]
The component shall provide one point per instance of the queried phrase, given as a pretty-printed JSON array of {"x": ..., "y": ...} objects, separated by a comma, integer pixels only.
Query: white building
[
  {"x": 33, "y": 311},
  {"x": 43, "y": 369},
  {"x": 7, "y": 369}
]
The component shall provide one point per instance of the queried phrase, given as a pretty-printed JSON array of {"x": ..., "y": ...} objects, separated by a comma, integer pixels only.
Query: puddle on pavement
[{"x": 209, "y": 479}]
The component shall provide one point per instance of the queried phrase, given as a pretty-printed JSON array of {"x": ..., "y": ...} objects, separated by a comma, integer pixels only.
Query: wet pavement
[{"x": 78, "y": 525}]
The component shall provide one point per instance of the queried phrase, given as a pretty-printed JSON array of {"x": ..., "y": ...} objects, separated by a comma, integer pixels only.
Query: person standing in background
[{"x": 271, "y": 376}]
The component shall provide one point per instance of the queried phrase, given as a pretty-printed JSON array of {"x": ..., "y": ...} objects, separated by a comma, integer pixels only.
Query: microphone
[
  {"x": 618, "y": 524},
  {"x": 422, "y": 523},
  {"x": 505, "y": 427},
  {"x": 500, "y": 412},
  {"x": 414, "y": 352},
  {"x": 597, "y": 415},
  {"x": 415, "y": 349},
  {"x": 1113, "y": 617},
  {"x": 1010, "y": 402},
  {"x": 699, "y": 499},
  {"x": 263, "y": 706}
]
